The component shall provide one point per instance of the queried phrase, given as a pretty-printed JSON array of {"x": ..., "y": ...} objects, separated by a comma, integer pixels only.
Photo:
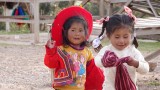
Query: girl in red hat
[{"x": 67, "y": 52}]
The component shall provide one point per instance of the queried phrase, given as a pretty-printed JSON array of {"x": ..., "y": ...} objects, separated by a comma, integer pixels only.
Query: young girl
[
  {"x": 121, "y": 60},
  {"x": 67, "y": 52}
]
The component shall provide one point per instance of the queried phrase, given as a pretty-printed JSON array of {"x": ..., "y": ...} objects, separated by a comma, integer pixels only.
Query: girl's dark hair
[
  {"x": 67, "y": 26},
  {"x": 118, "y": 21}
]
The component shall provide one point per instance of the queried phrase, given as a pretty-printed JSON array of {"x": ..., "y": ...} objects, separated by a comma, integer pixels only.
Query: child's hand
[
  {"x": 132, "y": 62},
  {"x": 51, "y": 43}
]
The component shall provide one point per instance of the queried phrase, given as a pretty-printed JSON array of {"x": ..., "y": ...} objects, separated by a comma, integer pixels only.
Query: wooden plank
[
  {"x": 152, "y": 55},
  {"x": 150, "y": 31},
  {"x": 117, "y": 1},
  {"x": 148, "y": 23},
  {"x": 148, "y": 58},
  {"x": 145, "y": 4},
  {"x": 46, "y": 21},
  {"x": 142, "y": 10},
  {"x": 15, "y": 20},
  {"x": 140, "y": 5},
  {"x": 27, "y": 16},
  {"x": 25, "y": 21},
  {"x": 16, "y": 0},
  {"x": 15, "y": 17},
  {"x": 152, "y": 8}
]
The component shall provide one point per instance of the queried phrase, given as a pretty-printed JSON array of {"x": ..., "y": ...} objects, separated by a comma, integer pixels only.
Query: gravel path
[{"x": 22, "y": 68}]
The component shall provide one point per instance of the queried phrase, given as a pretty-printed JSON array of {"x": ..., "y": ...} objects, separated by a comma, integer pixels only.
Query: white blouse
[{"x": 109, "y": 73}]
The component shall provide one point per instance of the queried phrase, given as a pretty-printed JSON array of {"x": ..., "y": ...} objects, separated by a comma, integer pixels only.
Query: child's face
[
  {"x": 76, "y": 34},
  {"x": 120, "y": 38}
]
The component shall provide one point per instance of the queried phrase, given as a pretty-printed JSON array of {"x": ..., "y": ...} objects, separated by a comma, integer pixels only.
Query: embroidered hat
[{"x": 62, "y": 16}]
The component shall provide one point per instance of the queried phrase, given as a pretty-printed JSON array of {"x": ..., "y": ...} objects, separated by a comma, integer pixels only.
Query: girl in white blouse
[{"x": 121, "y": 60}]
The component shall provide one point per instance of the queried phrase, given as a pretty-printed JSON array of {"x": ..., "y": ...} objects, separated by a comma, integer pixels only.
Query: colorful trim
[{"x": 67, "y": 79}]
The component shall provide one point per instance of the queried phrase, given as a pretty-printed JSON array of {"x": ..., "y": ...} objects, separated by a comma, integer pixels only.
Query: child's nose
[
  {"x": 121, "y": 40},
  {"x": 77, "y": 33}
]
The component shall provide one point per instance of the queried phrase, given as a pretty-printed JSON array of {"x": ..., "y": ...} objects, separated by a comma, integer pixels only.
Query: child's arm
[
  {"x": 139, "y": 62},
  {"x": 133, "y": 62},
  {"x": 51, "y": 56},
  {"x": 94, "y": 77}
]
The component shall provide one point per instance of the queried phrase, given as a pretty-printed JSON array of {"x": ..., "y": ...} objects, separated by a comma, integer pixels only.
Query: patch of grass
[
  {"x": 16, "y": 29},
  {"x": 3, "y": 32},
  {"x": 154, "y": 83},
  {"x": 105, "y": 42},
  {"x": 5, "y": 44},
  {"x": 148, "y": 46}
]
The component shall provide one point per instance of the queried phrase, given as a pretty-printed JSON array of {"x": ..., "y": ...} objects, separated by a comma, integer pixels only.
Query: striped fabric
[{"x": 122, "y": 79}]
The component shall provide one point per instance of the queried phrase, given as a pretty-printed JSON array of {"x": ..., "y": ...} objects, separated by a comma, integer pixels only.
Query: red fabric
[
  {"x": 53, "y": 56},
  {"x": 122, "y": 80},
  {"x": 63, "y": 16},
  {"x": 94, "y": 77},
  {"x": 16, "y": 12}
]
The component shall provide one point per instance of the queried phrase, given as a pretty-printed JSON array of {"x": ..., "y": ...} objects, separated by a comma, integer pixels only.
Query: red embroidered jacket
[{"x": 94, "y": 75}]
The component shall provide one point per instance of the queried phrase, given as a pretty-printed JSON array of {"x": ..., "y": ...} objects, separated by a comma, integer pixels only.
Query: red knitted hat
[{"x": 66, "y": 13}]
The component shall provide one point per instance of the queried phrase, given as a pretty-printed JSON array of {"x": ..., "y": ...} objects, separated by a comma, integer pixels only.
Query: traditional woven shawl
[
  {"x": 122, "y": 79},
  {"x": 67, "y": 78}
]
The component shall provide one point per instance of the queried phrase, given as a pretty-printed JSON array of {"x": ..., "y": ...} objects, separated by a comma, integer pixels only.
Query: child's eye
[
  {"x": 72, "y": 30},
  {"x": 116, "y": 37},
  {"x": 126, "y": 37},
  {"x": 81, "y": 30}
]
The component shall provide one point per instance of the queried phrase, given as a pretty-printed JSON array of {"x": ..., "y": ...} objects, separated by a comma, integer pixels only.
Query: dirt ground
[{"x": 22, "y": 67}]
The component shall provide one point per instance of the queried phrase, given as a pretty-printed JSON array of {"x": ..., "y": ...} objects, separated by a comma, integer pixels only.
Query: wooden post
[
  {"x": 101, "y": 8},
  {"x": 8, "y": 12},
  {"x": 36, "y": 20},
  {"x": 107, "y": 6},
  {"x": 7, "y": 26}
]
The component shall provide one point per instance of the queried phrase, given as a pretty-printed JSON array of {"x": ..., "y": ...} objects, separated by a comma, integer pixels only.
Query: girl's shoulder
[
  {"x": 87, "y": 49},
  {"x": 134, "y": 51}
]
